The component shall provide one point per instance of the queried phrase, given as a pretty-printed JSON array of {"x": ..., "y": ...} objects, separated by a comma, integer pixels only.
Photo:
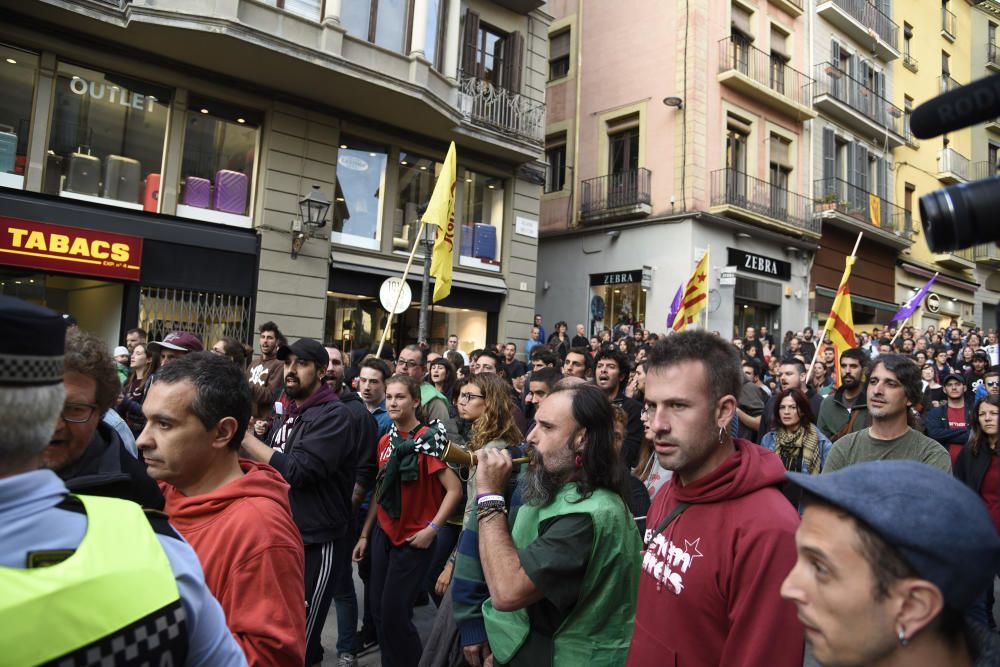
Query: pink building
[{"x": 674, "y": 128}]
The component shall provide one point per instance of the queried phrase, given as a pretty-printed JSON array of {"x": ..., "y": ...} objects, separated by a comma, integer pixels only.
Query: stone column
[
  {"x": 451, "y": 39},
  {"x": 331, "y": 11},
  {"x": 418, "y": 38}
]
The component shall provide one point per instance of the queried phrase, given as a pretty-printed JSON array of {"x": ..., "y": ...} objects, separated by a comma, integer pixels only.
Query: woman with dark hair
[
  {"x": 227, "y": 346},
  {"x": 445, "y": 380},
  {"x": 794, "y": 438},
  {"x": 143, "y": 365},
  {"x": 415, "y": 493},
  {"x": 559, "y": 341}
]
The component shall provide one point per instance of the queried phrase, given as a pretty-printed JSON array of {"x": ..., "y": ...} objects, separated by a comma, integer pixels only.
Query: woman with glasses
[
  {"x": 795, "y": 439},
  {"x": 978, "y": 467},
  {"x": 415, "y": 493},
  {"x": 227, "y": 346},
  {"x": 141, "y": 368}
]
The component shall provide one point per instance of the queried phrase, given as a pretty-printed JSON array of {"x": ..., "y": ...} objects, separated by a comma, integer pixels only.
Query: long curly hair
[{"x": 497, "y": 420}]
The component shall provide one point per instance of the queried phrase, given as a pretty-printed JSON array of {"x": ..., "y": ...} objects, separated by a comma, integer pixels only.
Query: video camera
[{"x": 959, "y": 216}]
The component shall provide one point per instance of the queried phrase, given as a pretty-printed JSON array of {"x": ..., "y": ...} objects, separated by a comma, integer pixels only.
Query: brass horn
[{"x": 458, "y": 455}]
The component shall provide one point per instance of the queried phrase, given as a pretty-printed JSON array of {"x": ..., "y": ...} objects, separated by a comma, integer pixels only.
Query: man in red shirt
[{"x": 949, "y": 423}]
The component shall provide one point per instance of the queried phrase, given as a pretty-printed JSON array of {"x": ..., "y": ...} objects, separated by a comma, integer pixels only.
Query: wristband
[
  {"x": 431, "y": 524},
  {"x": 362, "y": 537},
  {"x": 485, "y": 505},
  {"x": 488, "y": 497}
]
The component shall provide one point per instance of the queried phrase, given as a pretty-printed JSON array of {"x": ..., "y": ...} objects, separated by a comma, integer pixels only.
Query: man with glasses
[
  {"x": 990, "y": 385},
  {"x": 413, "y": 362},
  {"x": 84, "y": 451}
]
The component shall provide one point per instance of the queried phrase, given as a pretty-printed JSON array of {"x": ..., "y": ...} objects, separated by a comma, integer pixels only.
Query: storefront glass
[
  {"x": 107, "y": 137},
  {"x": 357, "y": 209},
  {"x": 220, "y": 147},
  {"x": 416, "y": 183},
  {"x": 614, "y": 304},
  {"x": 17, "y": 78},
  {"x": 482, "y": 221}
]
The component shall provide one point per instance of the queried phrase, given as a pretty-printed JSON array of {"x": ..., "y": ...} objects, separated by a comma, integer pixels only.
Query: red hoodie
[
  {"x": 709, "y": 588},
  {"x": 252, "y": 556}
]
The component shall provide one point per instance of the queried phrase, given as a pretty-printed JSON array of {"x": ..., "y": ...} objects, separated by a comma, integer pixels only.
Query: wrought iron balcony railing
[
  {"x": 836, "y": 194},
  {"x": 868, "y": 15},
  {"x": 949, "y": 23},
  {"x": 833, "y": 81},
  {"x": 484, "y": 104},
  {"x": 984, "y": 169},
  {"x": 766, "y": 69},
  {"x": 734, "y": 188},
  {"x": 992, "y": 55},
  {"x": 946, "y": 83},
  {"x": 615, "y": 191}
]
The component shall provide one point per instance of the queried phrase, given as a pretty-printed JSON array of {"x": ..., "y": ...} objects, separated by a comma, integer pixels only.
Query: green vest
[
  {"x": 429, "y": 392},
  {"x": 115, "y": 589},
  {"x": 598, "y": 631}
]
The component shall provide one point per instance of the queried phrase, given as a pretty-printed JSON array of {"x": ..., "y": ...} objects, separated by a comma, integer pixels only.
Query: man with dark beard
[
  {"x": 563, "y": 580},
  {"x": 611, "y": 371},
  {"x": 315, "y": 449},
  {"x": 845, "y": 411}
]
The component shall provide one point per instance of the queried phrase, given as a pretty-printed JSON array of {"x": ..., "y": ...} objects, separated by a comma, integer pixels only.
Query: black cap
[
  {"x": 952, "y": 376},
  {"x": 32, "y": 343},
  {"x": 306, "y": 348}
]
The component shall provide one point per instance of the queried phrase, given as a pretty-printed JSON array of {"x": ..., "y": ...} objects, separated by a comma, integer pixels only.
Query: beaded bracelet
[{"x": 488, "y": 496}]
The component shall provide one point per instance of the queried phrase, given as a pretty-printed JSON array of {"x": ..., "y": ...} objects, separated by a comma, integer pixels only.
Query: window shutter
[
  {"x": 829, "y": 161},
  {"x": 741, "y": 20},
  {"x": 559, "y": 45},
  {"x": 849, "y": 193},
  {"x": 513, "y": 62},
  {"x": 779, "y": 44},
  {"x": 780, "y": 152},
  {"x": 835, "y": 53},
  {"x": 470, "y": 39},
  {"x": 861, "y": 167}
]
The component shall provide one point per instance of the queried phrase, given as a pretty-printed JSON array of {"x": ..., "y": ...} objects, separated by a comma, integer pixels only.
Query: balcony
[
  {"x": 483, "y": 104},
  {"x": 737, "y": 195},
  {"x": 959, "y": 260},
  {"x": 855, "y": 209},
  {"x": 864, "y": 23},
  {"x": 992, "y": 57},
  {"x": 984, "y": 169},
  {"x": 953, "y": 167},
  {"x": 986, "y": 253},
  {"x": 946, "y": 83},
  {"x": 949, "y": 25},
  {"x": 766, "y": 78},
  {"x": 615, "y": 197},
  {"x": 857, "y": 106},
  {"x": 910, "y": 63},
  {"x": 791, "y": 7}
]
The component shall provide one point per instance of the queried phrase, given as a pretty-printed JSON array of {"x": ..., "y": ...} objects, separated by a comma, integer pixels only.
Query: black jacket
[
  {"x": 108, "y": 469},
  {"x": 366, "y": 435},
  {"x": 971, "y": 469},
  {"x": 318, "y": 462},
  {"x": 633, "y": 428},
  {"x": 936, "y": 423}
]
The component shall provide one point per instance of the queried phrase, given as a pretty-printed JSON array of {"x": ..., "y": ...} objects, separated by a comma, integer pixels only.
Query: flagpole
[
  {"x": 899, "y": 329},
  {"x": 399, "y": 292},
  {"x": 708, "y": 273},
  {"x": 828, "y": 318}
]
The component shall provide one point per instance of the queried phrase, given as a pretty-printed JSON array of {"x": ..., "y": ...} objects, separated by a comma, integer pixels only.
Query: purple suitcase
[
  {"x": 230, "y": 191},
  {"x": 197, "y": 192}
]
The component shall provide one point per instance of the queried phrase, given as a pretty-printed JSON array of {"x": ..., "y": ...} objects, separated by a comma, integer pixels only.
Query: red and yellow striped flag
[
  {"x": 695, "y": 295},
  {"x": 840, "y": 324}
]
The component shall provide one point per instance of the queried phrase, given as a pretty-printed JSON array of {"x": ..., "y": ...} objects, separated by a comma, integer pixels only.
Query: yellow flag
[
  {"x": 695, "y": 295},
  {"x": 441, "y": 212},
  {"x": 875, "y": 209}
]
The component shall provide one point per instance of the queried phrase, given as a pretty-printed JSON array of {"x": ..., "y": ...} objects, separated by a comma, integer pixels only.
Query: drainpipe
[{"x": 576, "y": 119}]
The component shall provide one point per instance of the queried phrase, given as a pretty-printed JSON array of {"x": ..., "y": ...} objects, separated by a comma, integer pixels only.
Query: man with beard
[
  {"x": 540, "y": 385},
  {"x": 513, "y": 367},
  {"x": 264, "y": 376},
  {"x": 893, "y": 389},
  {"x": 611, "y": 369},
  {"x": 562, "y": 581},
  {"x": 578, "y": 363},
  {"x": 314, "y": 447},
  {"x": 720, "y": 534},
  {"x": 808, "y": 343},
  {"x": 845, "y": 411}
]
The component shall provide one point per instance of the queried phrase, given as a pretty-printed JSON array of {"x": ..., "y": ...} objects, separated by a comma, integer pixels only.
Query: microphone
[{"x": 968, "y": 105}]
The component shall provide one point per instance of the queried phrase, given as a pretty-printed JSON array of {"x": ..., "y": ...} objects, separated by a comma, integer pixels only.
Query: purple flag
[
  {"x": 913, "y": 302},
  {"x": 675, "y": 307}
]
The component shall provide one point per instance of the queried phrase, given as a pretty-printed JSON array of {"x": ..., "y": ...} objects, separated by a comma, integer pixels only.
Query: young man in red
[{"x": 720, "y": 537}]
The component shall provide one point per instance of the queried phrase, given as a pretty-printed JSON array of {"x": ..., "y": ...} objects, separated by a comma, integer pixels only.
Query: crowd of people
[{"x": 625, "y": 498}]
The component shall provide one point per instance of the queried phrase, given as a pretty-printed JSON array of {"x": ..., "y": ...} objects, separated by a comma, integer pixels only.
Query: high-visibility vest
[{"x": 114, "y": 598}]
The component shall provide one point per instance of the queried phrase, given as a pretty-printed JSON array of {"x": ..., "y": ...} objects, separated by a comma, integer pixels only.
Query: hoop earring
[
  {"x": 722, "y": 435},
  {"x": 903, "y": 641}
]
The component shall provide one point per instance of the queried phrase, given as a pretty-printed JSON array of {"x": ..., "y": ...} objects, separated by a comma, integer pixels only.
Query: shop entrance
[{"x": 750, "y": 314}]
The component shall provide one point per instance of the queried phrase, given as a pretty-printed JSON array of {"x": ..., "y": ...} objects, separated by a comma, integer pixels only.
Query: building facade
[
  {"x": 192, "y": 130},
  {"x": 664, "y": 150}
]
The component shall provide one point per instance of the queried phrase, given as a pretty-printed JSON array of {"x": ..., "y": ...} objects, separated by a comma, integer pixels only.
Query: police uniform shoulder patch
[
  {"x": 36, "y": 559},
  {"x": 160, "y": 523}
]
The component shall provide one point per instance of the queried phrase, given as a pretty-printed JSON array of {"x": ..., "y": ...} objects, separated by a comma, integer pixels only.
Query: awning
[{"x": 859, "y": 300}]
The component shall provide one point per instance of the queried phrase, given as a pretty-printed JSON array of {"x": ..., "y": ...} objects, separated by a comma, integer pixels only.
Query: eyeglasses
[
  {"x": 77, "y": 413},
  {"x": 465, "y": 396},
  {"x": 407, "y": 363},
  {"x": 992, "y": 383}
]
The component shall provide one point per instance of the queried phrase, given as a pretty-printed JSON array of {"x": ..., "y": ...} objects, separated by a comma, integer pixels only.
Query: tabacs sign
[
  {"x": 616, "y": 278},
  {"x": 38, "y": 245},
  {"x": 765, "y": 266}
]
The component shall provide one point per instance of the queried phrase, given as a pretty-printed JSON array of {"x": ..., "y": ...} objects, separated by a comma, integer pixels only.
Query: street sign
[
  {"x": 728, "y": 276},
  {"x": 387, "y": 295}
]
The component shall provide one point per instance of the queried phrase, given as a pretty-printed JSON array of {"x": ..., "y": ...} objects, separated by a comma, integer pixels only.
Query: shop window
[
  {"x": 107, "y": 137},
  {"x": 208, "y": 315},
  {"x": 482, "y": 221},
  {"x": 416, "y": 182},
  {"x": 357, "y": 207},
  {"x": 17, "y": 78},
  {"x": 220, "y": 148},
  {"x": 616, "y": 304}
]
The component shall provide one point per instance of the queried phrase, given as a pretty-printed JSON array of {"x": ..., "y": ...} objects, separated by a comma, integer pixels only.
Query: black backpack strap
[{"x": 667, "y": 520}]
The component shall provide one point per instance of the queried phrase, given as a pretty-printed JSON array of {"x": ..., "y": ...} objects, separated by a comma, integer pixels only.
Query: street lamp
[{"x": 312, "y": 213}]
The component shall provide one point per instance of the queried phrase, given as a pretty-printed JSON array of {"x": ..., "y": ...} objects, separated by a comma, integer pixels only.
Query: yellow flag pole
[
  {"x": 826, "y": 326},
  {"x": 399, "y": 292}
]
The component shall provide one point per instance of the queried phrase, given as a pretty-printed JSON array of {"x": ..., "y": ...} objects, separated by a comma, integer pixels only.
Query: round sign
[
  {"x": 932, "y": 302},
  {"x": 389, "y": 296}
]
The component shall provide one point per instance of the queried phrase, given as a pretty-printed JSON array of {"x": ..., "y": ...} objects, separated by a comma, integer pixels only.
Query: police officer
[{"x": 133, "y": 591}]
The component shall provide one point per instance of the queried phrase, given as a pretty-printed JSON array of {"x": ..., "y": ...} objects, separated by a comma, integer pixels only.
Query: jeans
[
  {"x": 397, "y": 576},
  {"x": 344, "y": 596}
]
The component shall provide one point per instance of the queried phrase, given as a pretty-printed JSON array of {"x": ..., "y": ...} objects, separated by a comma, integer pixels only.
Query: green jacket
[
  {"x": 834, "y": 415},
  {"x": 598, "y": 631}
]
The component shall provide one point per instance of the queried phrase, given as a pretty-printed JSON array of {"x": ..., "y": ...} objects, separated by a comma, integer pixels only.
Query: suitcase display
[
  {"x": 230, "y": 191},
  {"x": 467, "y": 231},
  {"x": 8, "y": 149},
  {"x": 83, "y": 173},
  {"x": 484, "y": 242},
  {"x": 122, "y": 177},
  {"x": 52, "y": 181},
  {"x": 151, "y": 193},
  {"x": 197, "y": 192}
]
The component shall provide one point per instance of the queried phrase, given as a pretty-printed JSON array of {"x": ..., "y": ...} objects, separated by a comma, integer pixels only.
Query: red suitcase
[{"x": 151, "y": 194}]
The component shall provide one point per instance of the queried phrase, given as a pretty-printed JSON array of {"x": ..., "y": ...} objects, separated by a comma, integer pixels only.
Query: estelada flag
[
  {"x": 695, "y": 295},
  {"x": 441, "y": 212},
  {"x": 840, "y": 324}
]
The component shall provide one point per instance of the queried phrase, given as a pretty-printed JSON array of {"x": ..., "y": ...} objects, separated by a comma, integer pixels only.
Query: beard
[{"x": 540, "y": 486}]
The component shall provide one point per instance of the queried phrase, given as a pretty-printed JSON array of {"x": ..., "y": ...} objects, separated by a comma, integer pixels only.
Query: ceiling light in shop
[
  {"x": 204, "y": 110},
  {"x": 468, "y": 180},
  {"x": 11, "y": 61},
  {"x": 423, "y": 168},
  {"x": 372, "y": 154},
  {"x": 465, "y": 310},
  {"x": 340, "y": 199},
  {"x": 241, "y": 120},
  {"x": 617, "y": 291},
  {"x": 403, "y": 162},
  {"x": 343, "y": 145}
]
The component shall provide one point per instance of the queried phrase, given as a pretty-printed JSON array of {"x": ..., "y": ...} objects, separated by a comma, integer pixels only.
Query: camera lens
[{"x": 959, "y": 216}]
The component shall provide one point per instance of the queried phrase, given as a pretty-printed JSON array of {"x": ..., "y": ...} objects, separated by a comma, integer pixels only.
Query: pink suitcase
[
  {"x": 230, "y": 191},
  {"x": 197, "y": 192}
]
